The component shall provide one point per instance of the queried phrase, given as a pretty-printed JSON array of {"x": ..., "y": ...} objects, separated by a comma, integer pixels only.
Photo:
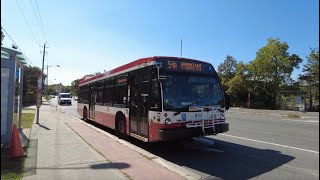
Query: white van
[{"x": 64, "y": 98}]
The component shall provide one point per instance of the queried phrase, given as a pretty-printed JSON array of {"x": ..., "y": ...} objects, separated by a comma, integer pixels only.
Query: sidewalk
[
  {"x": 57, "y": 152},
  {"x": 65, "y": 148}
]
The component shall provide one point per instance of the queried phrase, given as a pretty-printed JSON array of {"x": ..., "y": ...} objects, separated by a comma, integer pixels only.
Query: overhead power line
[
  {"x": 40, "y": 19},
  {"x": 16, "y": 45},
  {"x": 34, "y": 12},
  {"x": 27, "y": 24}
]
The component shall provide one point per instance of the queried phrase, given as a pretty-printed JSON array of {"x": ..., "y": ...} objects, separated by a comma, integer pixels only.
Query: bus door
[
  {"x": 139, "y": 102},
  {"x": 92, "y": 102}
]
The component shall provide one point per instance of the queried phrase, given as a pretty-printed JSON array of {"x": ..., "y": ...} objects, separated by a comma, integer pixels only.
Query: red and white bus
[{"x": 156, "y": 99}]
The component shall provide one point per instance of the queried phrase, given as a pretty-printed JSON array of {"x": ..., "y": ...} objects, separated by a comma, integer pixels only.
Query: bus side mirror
[{"x": 227, "y": 101}]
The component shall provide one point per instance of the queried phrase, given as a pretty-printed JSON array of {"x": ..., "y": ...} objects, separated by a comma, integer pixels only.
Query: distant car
[
  {"x": 75, "y": 98},
  {"x": 52, "y": 96},
  {"x": 64, "y": 98}
]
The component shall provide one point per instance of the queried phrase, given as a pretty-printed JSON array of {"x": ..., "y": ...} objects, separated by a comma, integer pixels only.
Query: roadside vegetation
[
  {"x": 14, "y": 168},
  {"x": 26, "y": 118},
  {"x": 11, "y": 168},
  {"x": 265, "y": 82},
  {"x": 293, "y": 115}
]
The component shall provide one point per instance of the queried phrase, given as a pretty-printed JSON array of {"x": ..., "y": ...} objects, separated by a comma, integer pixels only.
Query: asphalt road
[{"x": 256, "y": 147}]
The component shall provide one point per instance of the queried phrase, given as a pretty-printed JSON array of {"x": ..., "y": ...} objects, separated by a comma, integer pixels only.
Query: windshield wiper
[{"x": 181, "y": 109}]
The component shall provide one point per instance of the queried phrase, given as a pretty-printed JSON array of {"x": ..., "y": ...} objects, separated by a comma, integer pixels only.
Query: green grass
[
  {"x": 293, "y": 115},
  {"x": 28, "y": 109},
  {"x": 26, "y": 119},
  {"x": 14, "y": 168},
  {"x": 11, "y": 168}
]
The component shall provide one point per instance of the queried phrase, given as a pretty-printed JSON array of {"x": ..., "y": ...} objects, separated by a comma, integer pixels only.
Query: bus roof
[{"x": 131, "y": 66}]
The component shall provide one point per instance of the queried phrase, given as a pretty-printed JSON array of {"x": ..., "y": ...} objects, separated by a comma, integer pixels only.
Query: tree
[
  {"x": 226, "y": 70},
  {"x": 51, "y": 89},
  {"x": 74, "y": 87},
  {"x": 2, "y": 36},
  {"x": 238, "y": 85},
  {"x": 30, "y": 79},
  {"x": 273, "y": 66},
  {"x": 310, "y": 78}
]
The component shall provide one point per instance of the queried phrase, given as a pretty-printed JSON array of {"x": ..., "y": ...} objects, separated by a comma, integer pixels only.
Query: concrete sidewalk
[
  {"x": 62, "y": 147},
  {"x": 57, "y": 152},
  {"x": 138, "y": 166}
]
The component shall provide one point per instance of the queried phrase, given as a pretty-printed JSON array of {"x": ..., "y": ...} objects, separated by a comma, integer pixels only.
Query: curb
[{"x": 169, "y": 165}]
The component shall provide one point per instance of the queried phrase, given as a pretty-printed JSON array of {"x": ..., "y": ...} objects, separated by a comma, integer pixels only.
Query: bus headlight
[{"x": 167, "y": 121}]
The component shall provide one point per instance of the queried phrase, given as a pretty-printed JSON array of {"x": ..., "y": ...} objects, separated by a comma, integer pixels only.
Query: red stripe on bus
[{"x": 118, "y": 69}]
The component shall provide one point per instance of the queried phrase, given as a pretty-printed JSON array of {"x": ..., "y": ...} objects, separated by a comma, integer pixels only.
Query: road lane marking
[
  {"x": 303, "y": 121},
  {"x": 275, "y": 144},
  {"x": 270, "y": 133}
]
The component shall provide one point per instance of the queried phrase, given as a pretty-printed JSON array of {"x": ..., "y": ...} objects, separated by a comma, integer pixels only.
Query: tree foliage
[
  {"x": 273, "y": 62},
  {"x": 310, "y": 78},
  {"x": 273, "y": 66},
  {"x": 2, "y": 36},
  {"x": 238, "y": 86},
  {"x": 226, "y": 70},
  {"x": 30, "y": 79},
  {"x": 74, "y": 87}
]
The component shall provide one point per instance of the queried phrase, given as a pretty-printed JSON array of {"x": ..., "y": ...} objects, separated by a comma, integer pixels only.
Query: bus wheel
[
  {"x": 85, "y": 114},
  {"x": 121, "y": 127}
]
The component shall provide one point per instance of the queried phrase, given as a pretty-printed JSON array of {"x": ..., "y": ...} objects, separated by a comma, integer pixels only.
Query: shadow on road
[{"x": 215, "y": 158}]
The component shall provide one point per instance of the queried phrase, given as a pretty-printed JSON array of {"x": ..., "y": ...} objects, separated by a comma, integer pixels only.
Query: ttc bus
[{"x": 156, "y": 99}]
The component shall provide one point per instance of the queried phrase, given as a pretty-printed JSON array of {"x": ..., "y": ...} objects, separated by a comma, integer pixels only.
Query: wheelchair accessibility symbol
[{"x": 183, "y": 117}]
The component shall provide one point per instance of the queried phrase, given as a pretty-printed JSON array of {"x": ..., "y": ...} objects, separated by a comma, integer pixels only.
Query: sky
[{"x": 85, "y": 37}]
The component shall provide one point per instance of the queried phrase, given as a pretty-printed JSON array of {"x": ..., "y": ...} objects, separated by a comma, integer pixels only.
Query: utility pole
[
  {"x": 42, "y": 75},
  {"x": 47, "y": 80},
  {"x": 39, "y": 101}
]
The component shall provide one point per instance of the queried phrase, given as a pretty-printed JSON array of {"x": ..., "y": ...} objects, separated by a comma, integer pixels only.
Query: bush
[{"x": 293, "y": 115}]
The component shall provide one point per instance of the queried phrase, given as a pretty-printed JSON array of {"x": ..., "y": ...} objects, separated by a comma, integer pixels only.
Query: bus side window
[
  {"x": 108, "y": 93},
  {"x": 155, "y": 101}
]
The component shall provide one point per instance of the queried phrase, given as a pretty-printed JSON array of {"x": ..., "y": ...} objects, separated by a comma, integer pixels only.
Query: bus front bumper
[{"x": 183, "y": 133}]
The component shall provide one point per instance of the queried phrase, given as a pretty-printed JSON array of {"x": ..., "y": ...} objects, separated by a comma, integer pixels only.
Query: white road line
[
  {"x": 303, "y": 121},
  {"x": 281, "y": 145}
]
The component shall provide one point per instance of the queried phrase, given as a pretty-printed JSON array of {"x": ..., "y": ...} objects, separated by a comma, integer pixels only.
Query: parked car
[{"x": 64, "y": 98}]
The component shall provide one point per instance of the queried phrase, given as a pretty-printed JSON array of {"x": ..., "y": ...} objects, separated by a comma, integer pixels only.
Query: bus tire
[
  {"x": 85, "y": 114},
  {"x": 120, "y": 126}
]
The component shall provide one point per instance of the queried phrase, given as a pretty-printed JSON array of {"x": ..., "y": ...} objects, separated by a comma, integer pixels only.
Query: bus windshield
[{"x": 180, "y": 91}]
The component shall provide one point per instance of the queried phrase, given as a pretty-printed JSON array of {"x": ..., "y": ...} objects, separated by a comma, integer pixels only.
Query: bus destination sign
[{"x": 184, "y": 66}]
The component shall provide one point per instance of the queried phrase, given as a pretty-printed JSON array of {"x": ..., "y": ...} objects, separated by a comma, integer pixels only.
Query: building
[{"x": 59, "y": 88}]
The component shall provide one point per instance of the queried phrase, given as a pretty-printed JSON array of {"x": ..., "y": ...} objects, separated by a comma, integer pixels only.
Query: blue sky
[{"x": 91, "y": 36}]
